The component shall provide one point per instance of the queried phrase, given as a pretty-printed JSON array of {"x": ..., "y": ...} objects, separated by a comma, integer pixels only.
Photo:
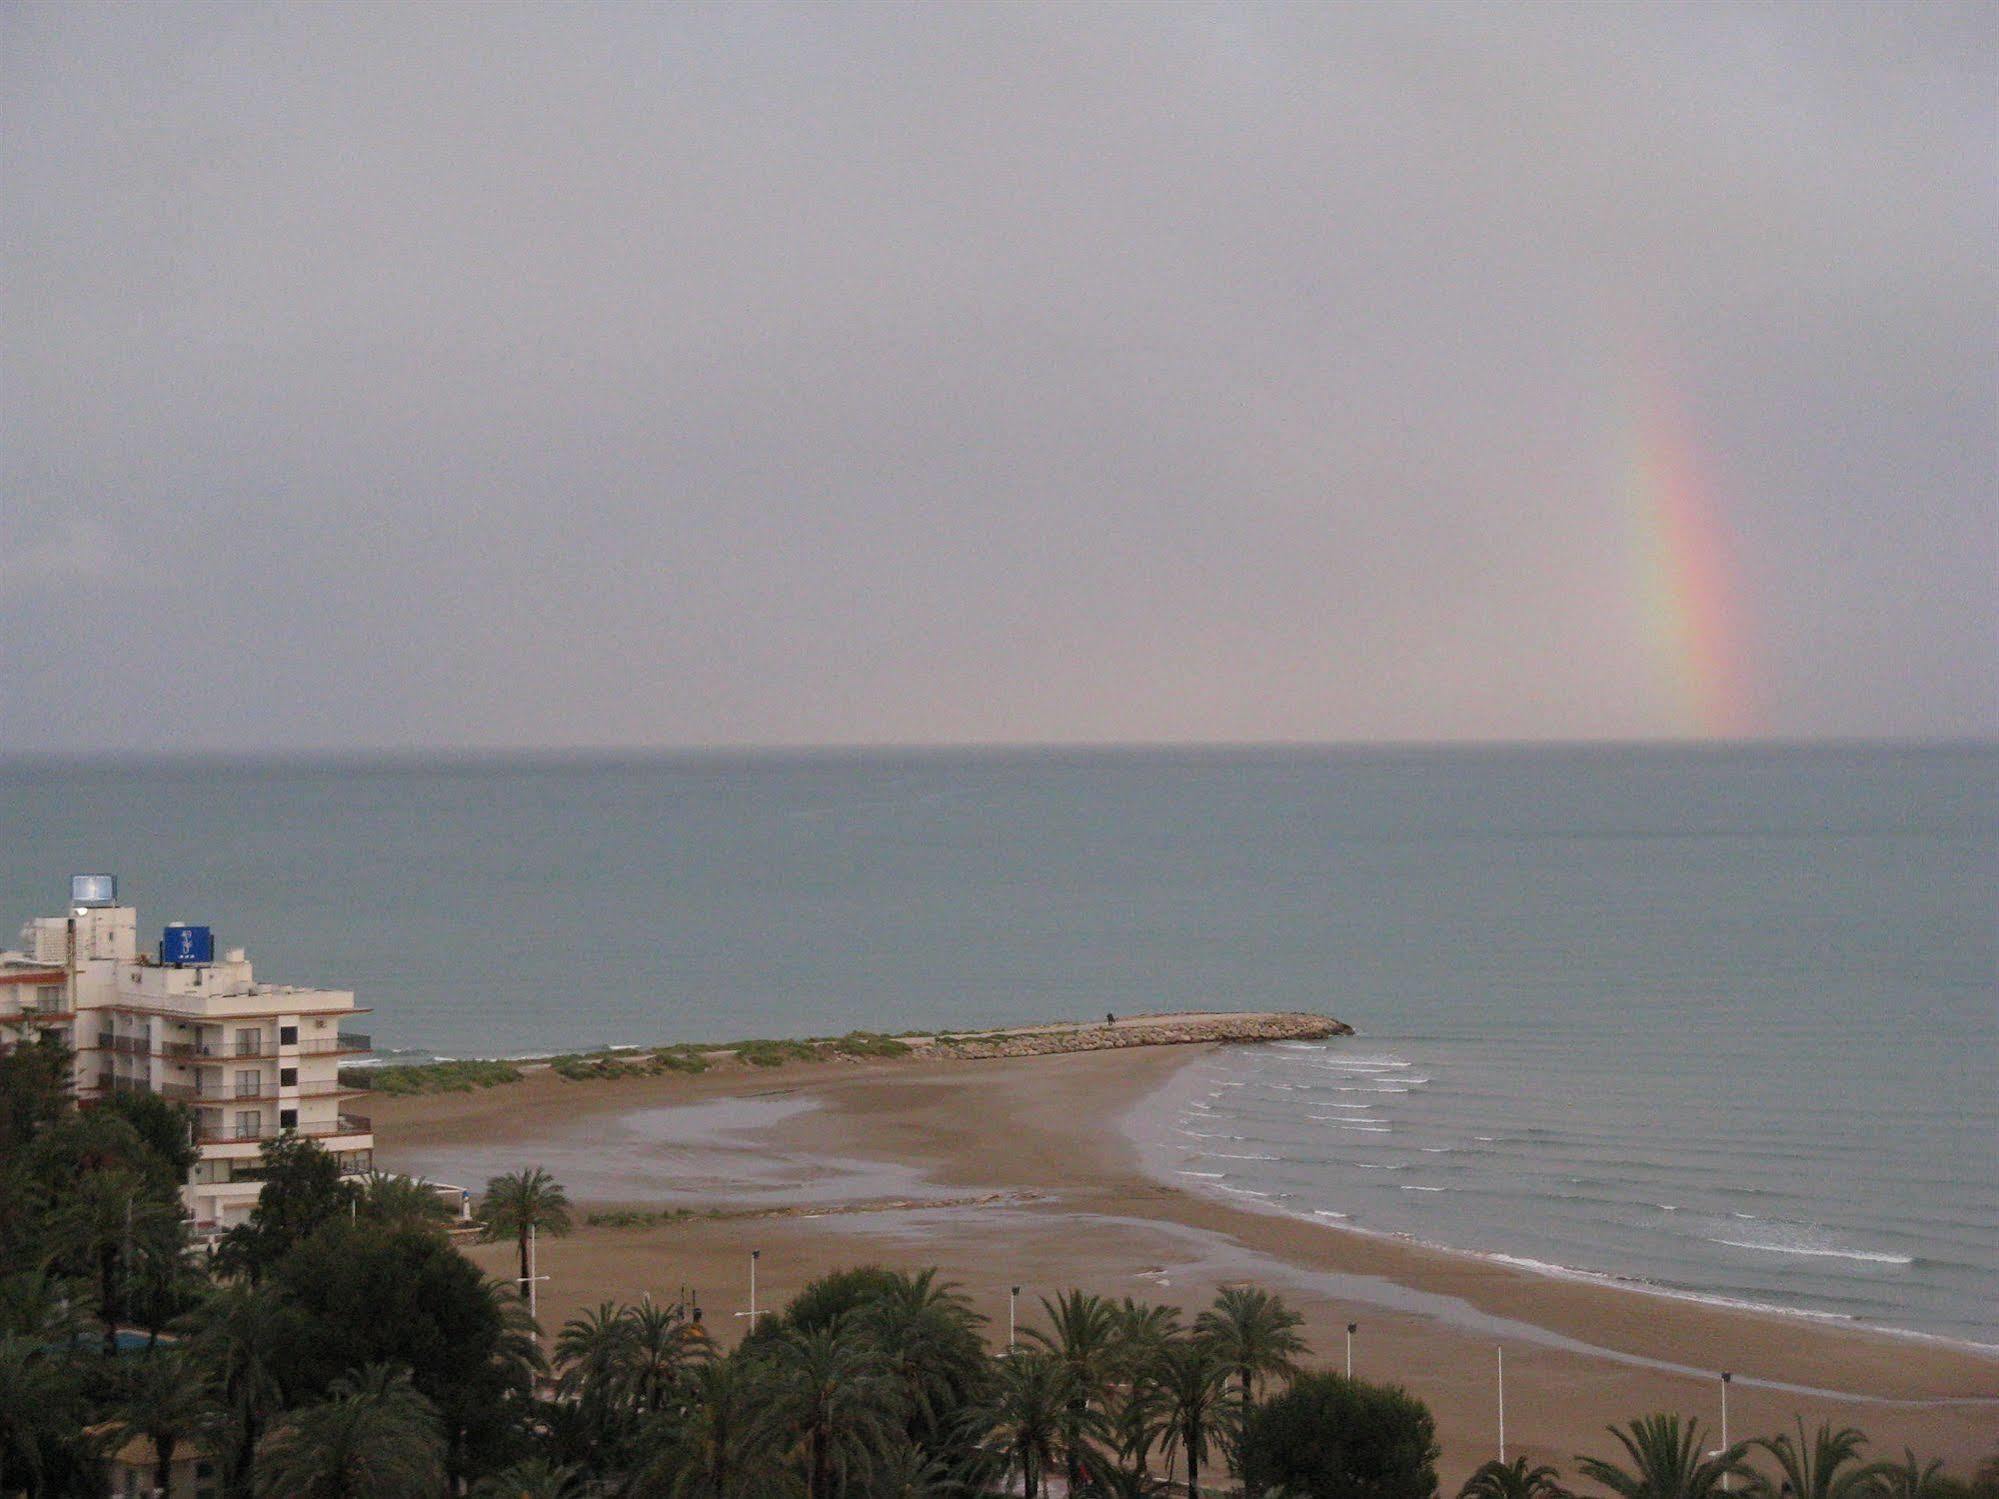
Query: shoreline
[
  {"x": 1080, "y": 1208},
  {"x": 1148, "y": 1145}
]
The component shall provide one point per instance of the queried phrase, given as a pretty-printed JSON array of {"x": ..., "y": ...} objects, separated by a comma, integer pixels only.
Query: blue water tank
[{"x": 187, "y": 944}]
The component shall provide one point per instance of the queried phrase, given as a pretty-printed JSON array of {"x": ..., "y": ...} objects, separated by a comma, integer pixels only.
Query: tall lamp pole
[
  {"x": 534, "y": 1280},
  {"x": 1726, "y": 1379},
  {"x": 1352, "y": 1328},
  {"x": 755, "y": 1255},
  {"x": 1012, "y": 1296},
  {"x": 1502, "y": 1405}
]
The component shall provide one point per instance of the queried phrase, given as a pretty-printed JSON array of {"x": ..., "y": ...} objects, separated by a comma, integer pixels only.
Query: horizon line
[{"x": 807, "y": 749}]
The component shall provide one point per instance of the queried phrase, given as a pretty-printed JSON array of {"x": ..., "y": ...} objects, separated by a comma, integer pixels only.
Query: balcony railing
[
  {"x": 34, "y": 1015},
  {"x": 346, "y": 1041},
  {"x": 233, "y": 1134}
]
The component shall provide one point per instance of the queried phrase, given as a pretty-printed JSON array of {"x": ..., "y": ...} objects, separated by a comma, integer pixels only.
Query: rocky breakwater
[{"x": 1141, "y": 1030}]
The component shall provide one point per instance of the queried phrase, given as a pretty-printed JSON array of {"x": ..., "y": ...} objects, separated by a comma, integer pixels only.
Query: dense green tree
[
  {"x": 373, "y": 1437},
  {"x": 406, "y": 1297},
  {"x": 1254, "y": 1333},
  {"x": 1518, "y": 1479},
  {"x": 518, "y": 1207},
  {"x": 34, "y": 1091},
  {"x": 1329, "y": 1437},
  {"x": 164, "y": 1125},
  {"x": 1828, "y": 1465},
  {"x": 843, "y": 1293},
  {"x": 34, "y": 1098},
  {"x": 1667, "y": 1461},
  {"x": 302, "y": 1192}
]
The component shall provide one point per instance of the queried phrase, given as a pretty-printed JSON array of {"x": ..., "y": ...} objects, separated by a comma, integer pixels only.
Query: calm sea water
[{"x": 1726, "y": 1020}]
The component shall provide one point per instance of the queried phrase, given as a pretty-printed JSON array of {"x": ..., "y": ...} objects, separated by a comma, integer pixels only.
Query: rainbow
[{"x": 1688, "y": 588}]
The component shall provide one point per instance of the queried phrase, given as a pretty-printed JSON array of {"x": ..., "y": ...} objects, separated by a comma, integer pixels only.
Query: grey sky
[{"x": 482, "y": 376}]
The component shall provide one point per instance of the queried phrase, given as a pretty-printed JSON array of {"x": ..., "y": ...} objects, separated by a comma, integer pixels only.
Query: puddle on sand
[{"x": 719, "y": 1153}]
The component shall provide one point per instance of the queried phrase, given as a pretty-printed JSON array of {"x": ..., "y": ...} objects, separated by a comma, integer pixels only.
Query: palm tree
[
  {"x": 167, "y": 1402},
  {"x": 1514, "y": 1480},
  {"x": 1666, "y": 1461},
  {"x": 1188, "y": 1399},
  {"x": 42, "y": 1412},
  {"x": 374, "y": 1437},
  {"x": 1028, "y": 1409},
  {"x": 244, "y": 1335},
  {"x": 1085, "y": 1336},
  {"x": 829, "y": 1401},
  {"x": 533, "y": 1479},
  {"x": 908, "y": 1472},
  {"x": 522, "y": 1204},
  {"x": 1829, "y": 1467},
  {"x": 928, "y": 1336},
  {"x": 658, "y": 1348},
  {"x": 705, "y": 1448},
  {"x": 590, "y": 1352},
  {"x": 401, "y": 1201},
  {"x": 1254, "y": 1333},
  {"x": 111, "y": 1222},
  {"x": 1910, "y": 1478}
]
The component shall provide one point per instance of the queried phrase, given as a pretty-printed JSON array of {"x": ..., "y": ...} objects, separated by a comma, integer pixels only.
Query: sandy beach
[{"x": 1021, "y": 1171}]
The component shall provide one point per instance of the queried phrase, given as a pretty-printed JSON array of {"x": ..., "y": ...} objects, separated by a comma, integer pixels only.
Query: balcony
[
  {"x": 346, "y": 1042},
  {"x": 237, "y": 1134},
  {"x": 35, "y": 1015}
]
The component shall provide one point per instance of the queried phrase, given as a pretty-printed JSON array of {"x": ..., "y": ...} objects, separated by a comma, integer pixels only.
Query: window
[
  {"x": 287, "y": 1118},
  {"x": 288, "y": 1077},
  {"x": 249, "y": 1043},
  {"x": 249, "y": 1124},
  {"x": 250, "y": 1083},
  {"x": 287, "y": 1035}
]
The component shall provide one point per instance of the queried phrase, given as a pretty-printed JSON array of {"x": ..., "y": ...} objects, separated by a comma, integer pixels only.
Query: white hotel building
[{"x": 253, "y": 1060}]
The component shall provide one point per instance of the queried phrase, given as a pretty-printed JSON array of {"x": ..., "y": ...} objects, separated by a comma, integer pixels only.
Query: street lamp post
[
  {"x": 1726, "y": 1379},
  {"x": 1012, "y": 1296},
  {"x": 755, "y": 1255},
  {"x": 1502, "y": 1405},
  {"x": 534, "y": 1280},
  {"x": 1352, "y": 1328}
]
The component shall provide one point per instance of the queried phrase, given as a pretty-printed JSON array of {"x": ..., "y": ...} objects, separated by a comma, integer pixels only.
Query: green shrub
[
  {"x": 430, "y": 1077},
  {"x": 680, "y": 1059},
  {"x": 1329, "y": 1437},
  {"x": 774, "y": 1053},
  {"x": 867, "y": 1044}
]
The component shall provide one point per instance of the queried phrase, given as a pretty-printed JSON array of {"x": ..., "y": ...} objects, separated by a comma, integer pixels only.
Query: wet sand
[{"x": 1019, "y": 1171}]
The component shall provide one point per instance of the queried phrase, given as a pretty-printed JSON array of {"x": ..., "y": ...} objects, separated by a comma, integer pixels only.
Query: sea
[{"x": 1717, "y": 1020}]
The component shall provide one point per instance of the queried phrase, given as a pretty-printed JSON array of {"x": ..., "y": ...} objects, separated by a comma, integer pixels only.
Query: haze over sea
[{"x": 1722, "y": 1019}]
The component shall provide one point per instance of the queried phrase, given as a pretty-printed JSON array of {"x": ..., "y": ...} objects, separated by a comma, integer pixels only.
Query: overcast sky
[{"x": 405, "y": 376}]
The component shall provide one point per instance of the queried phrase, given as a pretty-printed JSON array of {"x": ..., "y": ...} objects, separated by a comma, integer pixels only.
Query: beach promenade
[{"x": 1023, "y": 1170}]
